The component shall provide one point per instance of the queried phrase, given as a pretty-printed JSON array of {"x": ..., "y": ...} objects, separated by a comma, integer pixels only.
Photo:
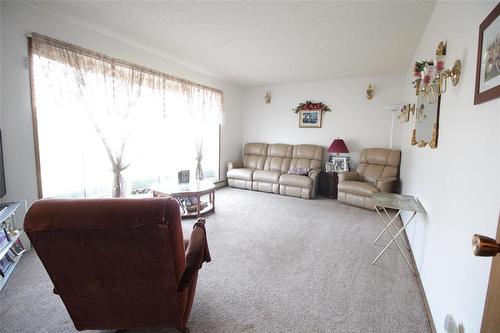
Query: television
[{"x": 3, "y": 189}]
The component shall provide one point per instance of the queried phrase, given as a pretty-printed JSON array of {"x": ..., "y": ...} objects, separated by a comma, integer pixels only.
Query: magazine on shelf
[
  {"x": 5, "y": 263},
  {"x": 4, "y": 238},
  {"x": 13, "y": 255},
  {"x": 18, "y": 247}
]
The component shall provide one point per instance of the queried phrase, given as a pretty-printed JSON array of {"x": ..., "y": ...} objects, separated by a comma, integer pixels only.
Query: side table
[
  {"x": 327, "y": 184},
  {"x": 382, "y": 201}
]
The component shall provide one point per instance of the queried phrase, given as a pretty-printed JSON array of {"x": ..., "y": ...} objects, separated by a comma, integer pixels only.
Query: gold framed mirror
[{"x": 426, "y": 121}]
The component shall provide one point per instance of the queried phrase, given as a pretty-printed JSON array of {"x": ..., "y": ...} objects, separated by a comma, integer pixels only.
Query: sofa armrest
[
  {"x": 234, "y": 164},
  {"x": 386, "y": 184},
  {"x": 313, "y": 174},
  {"x": 348, "y": 175},
  {"x": 196, "y": 254}
]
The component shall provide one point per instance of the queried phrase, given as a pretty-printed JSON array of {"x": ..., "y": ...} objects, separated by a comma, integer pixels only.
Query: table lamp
[{"x": 338, "y": 146}]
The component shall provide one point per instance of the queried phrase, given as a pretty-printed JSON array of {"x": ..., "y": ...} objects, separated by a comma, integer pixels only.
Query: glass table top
[
  {"x": 195, "y": 186},
  {"x": 397, "y": 201}
]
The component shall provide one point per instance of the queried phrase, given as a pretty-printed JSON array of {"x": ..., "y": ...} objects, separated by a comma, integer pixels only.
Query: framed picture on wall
[
  {"x": 488, "y": 58},
  {"x": 310, "y": 118}
]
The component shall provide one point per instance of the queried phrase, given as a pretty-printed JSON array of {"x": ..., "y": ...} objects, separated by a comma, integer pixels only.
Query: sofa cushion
[
  {"x": 256, "y": 149},
  {"x": 372, "y": 172},
  {"x": 359, "y": 188},
  {"x": 296, "y": 180},
  {"x": 376, "y": 163},
  {"x": 268, "y": 176},
  {"x": 380, "y": 156},
  {"x": 280, "y": 150},
  {"x": 254, "y": 155},
  {"x": 240, "y": 173},
  {"x": 278, "y": 157},
  {"x": 299, "y": 171},
  {"x": 307, "y": 156}
]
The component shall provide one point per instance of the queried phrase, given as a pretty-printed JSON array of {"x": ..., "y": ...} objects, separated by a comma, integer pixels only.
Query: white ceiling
[{"x": 257, "y": 43}]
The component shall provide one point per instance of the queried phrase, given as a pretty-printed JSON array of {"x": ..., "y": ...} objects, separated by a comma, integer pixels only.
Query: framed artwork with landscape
[
  {"x": 488, "y": 59},
  {"x": 310, "y": 118}
]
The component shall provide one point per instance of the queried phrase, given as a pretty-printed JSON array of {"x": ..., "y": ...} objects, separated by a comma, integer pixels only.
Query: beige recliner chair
[{"x": 377, "y": 171}]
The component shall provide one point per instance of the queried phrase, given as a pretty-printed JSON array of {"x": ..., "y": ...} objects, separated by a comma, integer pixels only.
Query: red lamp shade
[{"x": 338, "y": 146}]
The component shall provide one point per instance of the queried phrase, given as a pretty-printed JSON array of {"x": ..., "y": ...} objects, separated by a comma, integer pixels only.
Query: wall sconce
[
  {"x": 268, "y": 98},
  {"x": 369, "y": 91},
  {"x": 432, "y": 77}
]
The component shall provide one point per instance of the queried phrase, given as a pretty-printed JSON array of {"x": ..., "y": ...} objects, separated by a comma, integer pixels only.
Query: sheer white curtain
[{"x": 100, "y": 120}]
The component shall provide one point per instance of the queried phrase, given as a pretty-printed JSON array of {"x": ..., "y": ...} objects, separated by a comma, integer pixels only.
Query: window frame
[{"x": 35, "y": 119}]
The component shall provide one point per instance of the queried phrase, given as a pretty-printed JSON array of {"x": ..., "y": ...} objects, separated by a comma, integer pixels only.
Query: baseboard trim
[
  {"x": 421, "y": 286},
  {"x": 220, "y": 183}
]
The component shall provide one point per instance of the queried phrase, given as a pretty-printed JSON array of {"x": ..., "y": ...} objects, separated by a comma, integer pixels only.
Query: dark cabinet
[{"x": 327, "y": 184}]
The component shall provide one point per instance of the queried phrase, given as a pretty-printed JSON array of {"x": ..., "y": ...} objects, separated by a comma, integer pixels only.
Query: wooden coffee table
[{"x": 195, "y": 189}]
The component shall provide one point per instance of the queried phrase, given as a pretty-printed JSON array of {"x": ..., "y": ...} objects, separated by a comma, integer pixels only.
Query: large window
[{"x": 102, "y": 123}]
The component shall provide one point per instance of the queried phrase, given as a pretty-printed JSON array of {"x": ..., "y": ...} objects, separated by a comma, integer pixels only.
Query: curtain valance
[{"x": 209, "y": 101}]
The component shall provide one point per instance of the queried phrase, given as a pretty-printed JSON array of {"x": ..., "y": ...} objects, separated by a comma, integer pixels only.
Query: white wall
[
  {"x": 459, "y": 182},
  {"x": 19, "y": 19},
  {"x": 360, "y": 122}
]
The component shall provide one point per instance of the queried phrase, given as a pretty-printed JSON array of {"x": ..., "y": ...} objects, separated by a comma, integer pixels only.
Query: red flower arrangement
[
  {"x": 419, "y": 67},
  {"x": 308, "y": 105}
]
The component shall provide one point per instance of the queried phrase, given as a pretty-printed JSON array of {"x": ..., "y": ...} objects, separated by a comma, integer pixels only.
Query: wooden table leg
[
  {"x": 198, "y": 206},
  {"x": 213, "y": 201}
]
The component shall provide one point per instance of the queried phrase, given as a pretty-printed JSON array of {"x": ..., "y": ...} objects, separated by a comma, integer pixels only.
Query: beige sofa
[
  {"x": 377, "y": 171},
  {"x": 270, "y": 167}
]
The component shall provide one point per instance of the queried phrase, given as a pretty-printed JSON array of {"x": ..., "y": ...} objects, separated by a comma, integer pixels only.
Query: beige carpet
[{"x": 280, "y": 264}]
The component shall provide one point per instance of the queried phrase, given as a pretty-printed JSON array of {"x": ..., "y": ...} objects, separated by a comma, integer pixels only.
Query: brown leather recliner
[
  {"x": 377, "y": 171},
  {"x": 119, "y": 263}
]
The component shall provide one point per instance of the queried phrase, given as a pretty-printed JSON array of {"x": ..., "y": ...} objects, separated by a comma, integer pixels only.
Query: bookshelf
[
  {"x": 7, "y": 211},
  {"x": 9, "y": 271},
  {"x": 7, "y": 247}
]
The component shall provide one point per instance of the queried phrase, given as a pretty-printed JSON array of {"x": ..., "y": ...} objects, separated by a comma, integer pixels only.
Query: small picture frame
[
  {"x": 183, "y": 176},
  {"x": 329, "y": 167},
  {"x": 332, "y": 160},
  {"x": 340, "y": 164},
  {"x": 310, "y": 118}
]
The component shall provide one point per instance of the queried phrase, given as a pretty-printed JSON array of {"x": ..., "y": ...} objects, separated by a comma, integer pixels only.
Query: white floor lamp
[{"x": 393, "y": 108}]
